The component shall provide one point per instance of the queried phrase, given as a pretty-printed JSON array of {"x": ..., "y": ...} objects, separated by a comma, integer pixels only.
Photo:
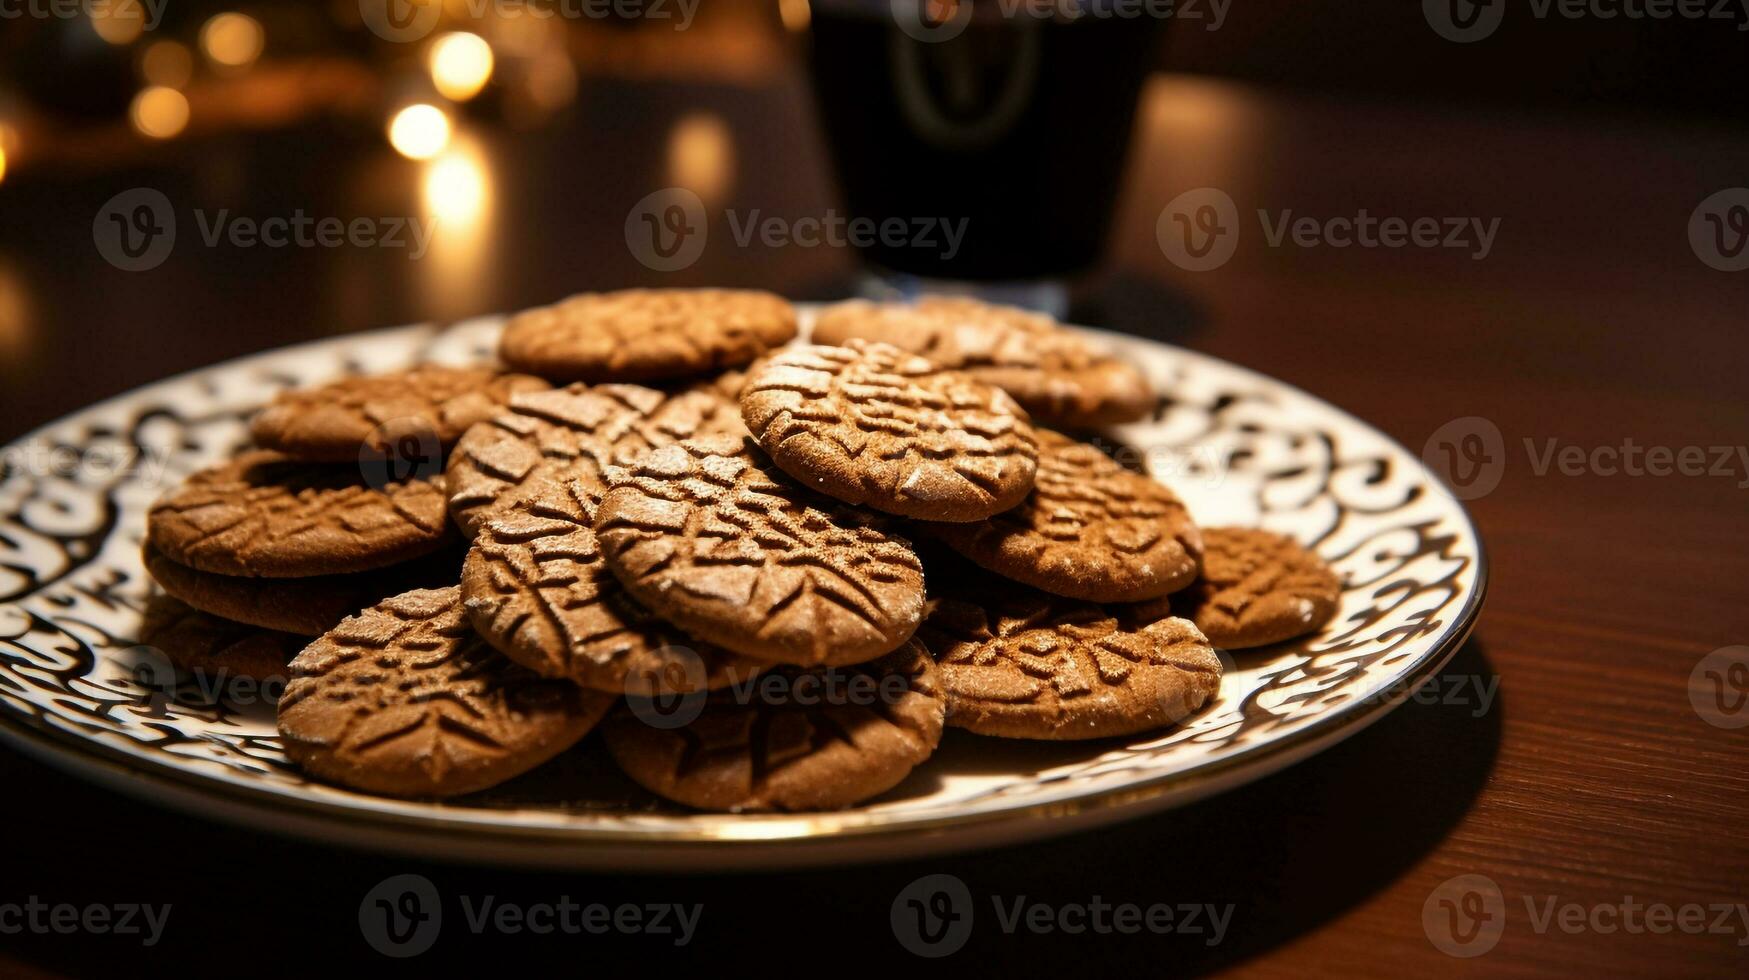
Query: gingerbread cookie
[
  {"x": 870, "y": 424},
  {"x": 385, "y": 413},
  {"x": 1059, "y": 376},
  {"x": 202, "y": 643},
  {"x": 1090, "y": 530},
  {"x": 570, "y": 434},
  {"x": 403, "y": 699},
  {"x": 647, "y": 334},
  {"x": 264, "y": 515},
  {"x": 1259, "y": 588},
  {"x": 567, "y": 433},
  {"x": 797, "y": 739},
  {"x": 712, "y": 536},
  {"x": 305, "y": 606},
  {"x": 535, "y": 587},
  {"x": 1017, "y": 663}
]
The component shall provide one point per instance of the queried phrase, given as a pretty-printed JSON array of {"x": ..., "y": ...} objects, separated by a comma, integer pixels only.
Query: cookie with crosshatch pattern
[
  {"x": 1089, "y": 529},
  {"x": 1060, "y": 376},
  {"x": 1258, "y": 588},
  {"x": 712, "y": 536},
  {"x": 262, "y": 514},
  {"x": 199, "y": 642},
  {"x": 339, "y": 421},
  {"x": 306, "y": 606},
  {"x": 797, "y": 739},
  {"x": 646, "y": 334},
  {"x": 535, "y": 587},
  {"x": 405, "y": 700},
  {"x": 870, "y": 424},
  {"x": 1019, "y": 663},
  {"x": 570, "y": 434}
]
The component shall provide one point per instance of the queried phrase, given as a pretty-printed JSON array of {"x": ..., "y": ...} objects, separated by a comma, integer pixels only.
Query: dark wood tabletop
[{"x": 1585, "y": 778}]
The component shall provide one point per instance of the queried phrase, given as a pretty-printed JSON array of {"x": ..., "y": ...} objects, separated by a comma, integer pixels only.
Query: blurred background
[{"x": 522, "y": 140}]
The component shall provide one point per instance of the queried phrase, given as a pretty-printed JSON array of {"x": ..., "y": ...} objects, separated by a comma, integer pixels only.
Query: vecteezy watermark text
[
  {"x": 136, "y": 230},
  {"x": 933, "y": 917},
  {"x": 34, "y": 915},
  {"x": 150, "y": 12},
  {"x": 403, "y": 917},
  {"x": 406, "y": 21},
  {"x": 97, "y": 463},
  {"x": 934, "y": 21},
  {"x": 667, "y": 230},
  {"x": 1199, "y": 230},
  {"x": 1465, "y": 916},
  {"x": 1470, "y": 453},
  {"x": 1467, "y": 21},
  {"x": 654, "y": 701}
]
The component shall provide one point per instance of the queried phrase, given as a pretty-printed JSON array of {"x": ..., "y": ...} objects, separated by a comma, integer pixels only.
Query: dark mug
[{"x": 1002, "y": 126}]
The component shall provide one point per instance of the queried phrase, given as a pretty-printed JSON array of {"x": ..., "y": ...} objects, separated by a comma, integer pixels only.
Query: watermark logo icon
[
  {"x": 654, "y": 698},
  {"x": 1718, "y": 230},
  {"x": 932, "y": 21},
  {"x": 400, "y": 21},
  {"x": 932, "y": 916},
  {"x": 667, "y": 230},
  {"x": 135, "y": 230},
  {"x": 401, "y": 916},
  {"x": 1469, "y": 453},
  {"x": 1718, "y": 687},
  {"x": 150, "y": 670},
  {"x": 1465, "y": 915},
  {"x": 1199, "y": 229},
  {"x": 400, "y": 450},
  {"x": 1464, "y": 21}
]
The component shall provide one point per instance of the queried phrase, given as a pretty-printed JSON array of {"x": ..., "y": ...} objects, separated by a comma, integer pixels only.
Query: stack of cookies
[{"x": 769, "y": 573}]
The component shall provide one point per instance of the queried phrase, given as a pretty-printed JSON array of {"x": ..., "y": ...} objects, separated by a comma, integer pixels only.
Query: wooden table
[{"x": 1589, "y": 779}]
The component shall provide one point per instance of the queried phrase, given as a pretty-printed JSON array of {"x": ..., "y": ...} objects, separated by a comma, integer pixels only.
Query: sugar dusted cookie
[
  {"x": 646, "y": 334},
  {"x": 798, "y": 739},
  {"x": 1059, "y": 376},
  {"x": 1018, "y": 663},
  {"x": 570, "y": 434},
  {"x": 1259, "y": 588},
  {"x": 870, "y": 424},
  {"x": 305, "y": 606},
  {"x": 338, "y": 422},
  {"x": 535, "y": 587},
  {"x": 713, "y": 537},
  {"x": 264, "y": 515},
  {"x": 404, "y": 700},
  {"x": 1089, "y": 529},
  {"x": 202, "y": 643}
]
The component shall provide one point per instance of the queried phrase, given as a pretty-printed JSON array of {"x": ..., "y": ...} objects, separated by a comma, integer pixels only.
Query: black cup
[{"x": 1009, "y": 120}]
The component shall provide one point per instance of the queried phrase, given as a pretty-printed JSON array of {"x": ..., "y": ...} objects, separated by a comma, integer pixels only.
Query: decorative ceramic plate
[{"x": 1238, "y": 447}]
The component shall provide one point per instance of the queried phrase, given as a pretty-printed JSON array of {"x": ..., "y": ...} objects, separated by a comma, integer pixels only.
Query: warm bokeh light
[
  {"x": 167, "y": 63},
  {"x": 419, "y": 131},
  {"x": 460, "y": 65},
  {"x": 159, "y": 112},
  {"x": 455, "y": 191},
  {"x": 232, "y": 40},
  {"x": 701, "y": 155},
  {"x": 120, "y": 22},
  {"x": 2, "y": 164},
  {"x": 795, "y": 14}
]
